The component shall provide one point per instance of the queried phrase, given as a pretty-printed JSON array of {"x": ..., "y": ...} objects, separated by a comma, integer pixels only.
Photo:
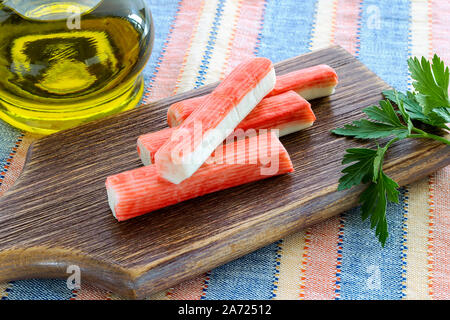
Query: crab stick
[
  {"x": 221, "y": 112},
  {"x": 311, "y": 83},
  {"x": 140, "y": 191},
  {"x": 288, "y": 112}
]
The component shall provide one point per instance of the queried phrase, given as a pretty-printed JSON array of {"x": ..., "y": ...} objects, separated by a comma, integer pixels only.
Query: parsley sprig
[{"x": 429, "y": 105}]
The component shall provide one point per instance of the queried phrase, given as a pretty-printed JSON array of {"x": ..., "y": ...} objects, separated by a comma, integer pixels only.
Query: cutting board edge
[{"x": 138, "y": 282}]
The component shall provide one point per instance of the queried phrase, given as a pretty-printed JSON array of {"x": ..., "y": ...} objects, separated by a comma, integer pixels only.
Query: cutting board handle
[{"x": 24, "y": 258}]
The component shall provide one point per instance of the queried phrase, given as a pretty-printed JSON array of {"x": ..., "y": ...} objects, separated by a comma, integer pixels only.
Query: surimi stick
[
  {"x": 148, "y": 144},
  {"x": 140, "y": 191},
  {"x": 311, "y": 83},
  {"x": 288, "y": 112},
  {"x": 222, "y": 111}
]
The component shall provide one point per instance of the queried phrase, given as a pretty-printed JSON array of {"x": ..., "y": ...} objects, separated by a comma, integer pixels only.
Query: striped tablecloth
[{"x": 199, "y": 42}]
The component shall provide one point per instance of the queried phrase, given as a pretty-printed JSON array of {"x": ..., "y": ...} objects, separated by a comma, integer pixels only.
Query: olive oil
[{"x": 63, "y": 63}]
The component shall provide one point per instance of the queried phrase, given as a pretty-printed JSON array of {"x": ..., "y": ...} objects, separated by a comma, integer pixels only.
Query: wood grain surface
[{"x": 57, "y": 213}]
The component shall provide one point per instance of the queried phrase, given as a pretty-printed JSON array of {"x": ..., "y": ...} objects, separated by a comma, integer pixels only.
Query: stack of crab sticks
[
  {"x": 221, "y": 140},
  {"x": 288, "y": 112},
  {"x": 311, "y": 83}
]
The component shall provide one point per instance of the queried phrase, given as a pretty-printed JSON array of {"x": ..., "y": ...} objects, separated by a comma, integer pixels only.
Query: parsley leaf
[
  {"x": 385, "y": 123},
  {"x": 404, "y": 113},
  {"x": 367, "y": 167},
  {"x": 439, "y": 117},
  {"x": 374, "y": 203},
  {"x": 442, "y": 113},
  {"x": 431, "y": 82},
  {"x": 359, "y": 172}
]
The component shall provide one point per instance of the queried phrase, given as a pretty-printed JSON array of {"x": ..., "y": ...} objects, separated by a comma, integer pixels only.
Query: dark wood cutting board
[{"x": 57, "y": 213}]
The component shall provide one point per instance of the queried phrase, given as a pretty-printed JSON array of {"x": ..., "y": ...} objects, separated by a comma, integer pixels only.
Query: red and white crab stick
[
  {"x": 221, "y": 112},
  {"x": 288, "y": 112},
  {"x": 311, "y": 83},
  {"x": 140, "y": 191}
]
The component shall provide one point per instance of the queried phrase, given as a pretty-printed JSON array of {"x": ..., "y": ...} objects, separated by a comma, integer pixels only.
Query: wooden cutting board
[{"x": 57, "y": 213}]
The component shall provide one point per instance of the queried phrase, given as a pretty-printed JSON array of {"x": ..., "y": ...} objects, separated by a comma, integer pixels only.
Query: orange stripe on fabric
[
  {"x": 188, "y": 290},
  {"x": 438, "y": 253},
  {"x": 320, "y": 273},
  {"x": 175, "y": 50},
  {"x": 440, "y": 16},
  {"x": 441, "y": 235},
  {"x": 430, "y": 238},
  {"x": 347, "y": 22},
  {"x": 246, "y": 36},
  {"x": 14, "y": 166}
]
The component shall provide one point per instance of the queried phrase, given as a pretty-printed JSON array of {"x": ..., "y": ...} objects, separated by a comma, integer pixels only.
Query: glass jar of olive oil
[{"x": 63, "y": 63}]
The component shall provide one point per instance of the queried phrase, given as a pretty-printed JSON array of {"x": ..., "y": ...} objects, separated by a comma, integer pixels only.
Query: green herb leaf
[
  {"x": 442, "y": 113},
  {"x": 374, "y": 203},
  {"x": 385, "y": 123},
  {"x": 404, "y": 113},
  {"x": 439, "y": 117},
  {"x": 378, "y": 163},
  {"x": 359, "y": 172},
  {"x": 431, "y": 82}
]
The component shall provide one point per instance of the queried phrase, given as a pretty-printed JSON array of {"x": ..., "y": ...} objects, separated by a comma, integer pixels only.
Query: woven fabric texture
[{"x": 198, "y": 42}]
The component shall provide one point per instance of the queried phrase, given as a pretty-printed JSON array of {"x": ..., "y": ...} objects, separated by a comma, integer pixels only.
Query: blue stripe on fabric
[
  {"x": 45, "y": 289},
  {"x": 164, "y": 14},
  {"x": 200, "y": 81},
  {"x": 403, "y": 242},
  {"x": 9, "y": 158},
  {"x": 250, "y": 277},
  {"x": 9, "y": 137},
  {"x": 286, "y": 32},
  {"x": 287, "y": 29},
  {"x": 384, "y": 48},
  {"x": 369, "y": 271}
]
